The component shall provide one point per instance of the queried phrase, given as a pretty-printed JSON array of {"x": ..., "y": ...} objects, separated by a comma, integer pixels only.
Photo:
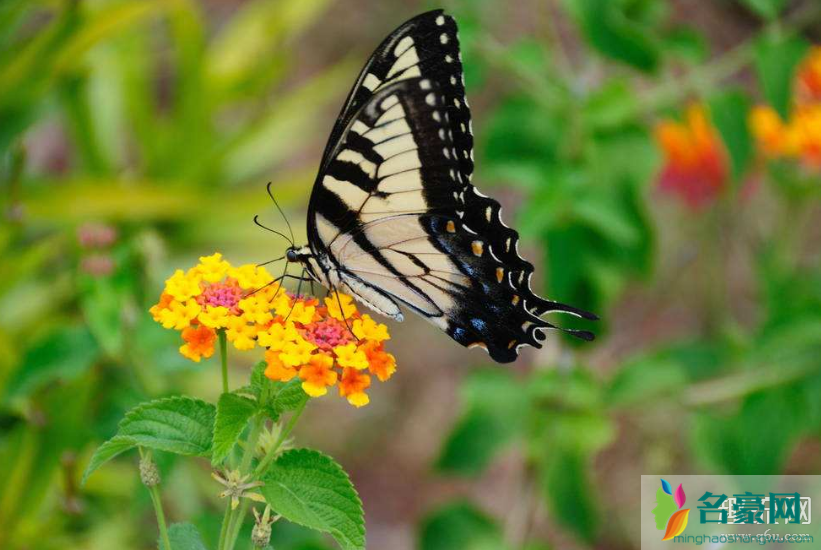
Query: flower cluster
[
  {"x": 324, "y": 344},
  {"x": 798, "y": 137},
  {"x": 696, "y": 165},
  {"x": 212, "y": 296}
]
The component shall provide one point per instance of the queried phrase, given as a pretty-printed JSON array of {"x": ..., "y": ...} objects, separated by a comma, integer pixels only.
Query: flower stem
[
  {"x": 263, "y": 464},
  {"x": 224, "y": 359},
  {"x": 238, "y": 515},
  {"x": 157, "y": 501},
  {"x": 226, "y": 520}
]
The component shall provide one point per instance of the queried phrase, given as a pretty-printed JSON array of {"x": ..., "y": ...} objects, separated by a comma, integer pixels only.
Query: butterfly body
[{"x": 393, "y": 218}]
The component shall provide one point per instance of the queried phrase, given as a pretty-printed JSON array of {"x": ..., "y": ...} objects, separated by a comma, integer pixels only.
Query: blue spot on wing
[{"x": 478, "y": 324}]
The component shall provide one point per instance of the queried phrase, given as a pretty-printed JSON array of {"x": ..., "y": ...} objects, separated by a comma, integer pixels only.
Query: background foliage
[{"x": 136, "y": 135}]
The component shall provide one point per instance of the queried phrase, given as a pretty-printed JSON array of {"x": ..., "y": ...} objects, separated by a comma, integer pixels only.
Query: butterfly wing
[{"x": 394, "y": 218}]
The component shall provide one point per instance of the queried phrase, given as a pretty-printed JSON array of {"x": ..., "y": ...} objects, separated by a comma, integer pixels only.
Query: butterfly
[{"x": 393, "y": 218}]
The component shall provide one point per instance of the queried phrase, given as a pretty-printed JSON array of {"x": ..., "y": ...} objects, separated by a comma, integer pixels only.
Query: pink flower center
[
  {"x": 327, "y": 334},
  {"x": 225, "y": 294}
]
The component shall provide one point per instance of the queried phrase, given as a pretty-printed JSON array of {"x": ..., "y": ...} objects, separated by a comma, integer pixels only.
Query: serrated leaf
[
  {"x": 309, "y": 488},
  {"x": 259, "y": 381},
  {"x": 289, "y": 396},
  {"x": 181, "y": 425},
  {"x": 184, "y": 536},
  {"x": 776, "y": 59},
  {"x": 233, "y": 413}
]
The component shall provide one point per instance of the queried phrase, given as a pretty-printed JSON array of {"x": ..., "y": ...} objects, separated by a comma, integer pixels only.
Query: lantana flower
[
  {"x": 213, "y": 296},
  {"x": 326, "y": 345},
  {"x": 323, "y": 344},
  {"x": 799, "y": 136},
  {"x": 696, "y": 164}
]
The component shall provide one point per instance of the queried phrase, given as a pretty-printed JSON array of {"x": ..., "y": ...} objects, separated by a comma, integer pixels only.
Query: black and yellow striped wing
[{"x": 393, "y": 217}]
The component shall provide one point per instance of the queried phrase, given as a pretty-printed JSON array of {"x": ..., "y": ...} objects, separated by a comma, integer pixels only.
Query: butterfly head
[{"x": 292, "y": 254}]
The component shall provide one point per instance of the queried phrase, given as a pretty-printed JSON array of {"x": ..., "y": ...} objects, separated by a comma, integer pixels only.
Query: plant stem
[
  {"x": 237, "y": 516},
  {"x": 226, "y": 520},
  {"x": 224, "y": 359},
  {"x": 263, "y": 464},
  {"x": 157, "y": 501}
]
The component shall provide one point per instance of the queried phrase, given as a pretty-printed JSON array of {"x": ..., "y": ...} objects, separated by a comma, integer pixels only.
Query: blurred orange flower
[
  {"x": 695, "y": 163},
  {"x": 798, "y": 137}
]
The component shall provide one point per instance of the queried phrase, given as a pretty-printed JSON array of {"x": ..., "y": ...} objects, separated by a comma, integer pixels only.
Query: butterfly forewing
[{"x": 393, "y": 216}]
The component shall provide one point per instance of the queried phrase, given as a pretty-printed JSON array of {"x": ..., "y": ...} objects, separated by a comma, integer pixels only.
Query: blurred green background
[{"x": 661, "y": 158}]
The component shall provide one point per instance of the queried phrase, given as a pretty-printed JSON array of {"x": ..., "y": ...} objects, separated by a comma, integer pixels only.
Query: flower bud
[{"x": 149, "y": 474}]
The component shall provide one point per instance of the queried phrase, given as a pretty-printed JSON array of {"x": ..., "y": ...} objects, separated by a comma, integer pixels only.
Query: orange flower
[
  {"x": 696, "y": 164},
  {"x": 199, "y": 343},
  {"x": 381, "y": 363},
  {"x": 276, "y": 369},
  {"x": 352, "y": 385},
  {"x": 318, "y": 375},
  {"x": 808, "y": 76}
]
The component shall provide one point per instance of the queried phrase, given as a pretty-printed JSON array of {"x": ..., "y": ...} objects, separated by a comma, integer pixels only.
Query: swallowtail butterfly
[{"x": 393, "y": 218}]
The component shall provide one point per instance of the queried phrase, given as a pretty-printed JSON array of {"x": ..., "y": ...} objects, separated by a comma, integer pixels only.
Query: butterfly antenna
[
  {"x": 284, "y": 217},
  {"x": 266, "y": 285},
  {"x": 271, "y": 261},
  {"x": 284, "y": 236}
]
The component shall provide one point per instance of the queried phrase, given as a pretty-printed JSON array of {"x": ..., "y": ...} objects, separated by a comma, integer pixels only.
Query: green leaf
[
  {"x": 260, "y": 382},
  {"x": 569, "y": 493},
  {"x": 180, "y": 425},
  {"x": 460, "y": 525},
  {"x": 289, "y": 396},
  {"x": 494, "y": 410},
  {"x": 776, "y": 59},
  {"x": 309, "y": 488},
  {"x": 610, "y": 31},
  {"x": 233, "y": 413},
  {"x": 64, "y": 354},
  {"x": 768, "y": 9},
  {"x": 729, "y": 114},
  {"x": 184, "y": 536}
]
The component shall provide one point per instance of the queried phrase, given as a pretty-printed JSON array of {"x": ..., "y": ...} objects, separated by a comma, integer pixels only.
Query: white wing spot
[
  {"x": 430, "y": 99},
  {"x": 441, "y": 133},
  {"x": 462, "y": 126},
  {"x": 456, "y": 102},
  {"x": 488, "y": 213},
  {"x": 443, "y": 38},
  {"x": 446, "y": 152},
  {"x": 371, "y": 82},
  {"x": 465, "y": 153},
  {"x": 440, "y": 20},
  {"x": 448, "y": 59},
  {"x": 436, "y": 116},
  {"x": 452, "y": 174},
  {"x": 424, "y": 84},
  {"x": 507, "y": 245},
  {"x": 402, "y": 46},
  {"x": 453, "y": 80}
]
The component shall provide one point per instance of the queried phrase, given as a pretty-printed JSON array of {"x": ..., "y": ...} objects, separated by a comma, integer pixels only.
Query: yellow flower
[
  {"x": 214, "y": 316},
  {"x": 318, "y": 375},
  {"x": 333, "y": 301},
  {"x": 368, "y": 329},
  {"x": 296, "y": 353},
  {"x": 256, "y": 309},
  {"x": 212, "y": 268},
  {"x": 301, "y": 313},
  {"x": 277, "y": 335},
  {"x": 250, "y": 277},
  {"x": 182, "y": 286},
  {"x": 349, "y": 356},
  {"x": 179, "y": 315},
  {"x": 240, "y": 333}
]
